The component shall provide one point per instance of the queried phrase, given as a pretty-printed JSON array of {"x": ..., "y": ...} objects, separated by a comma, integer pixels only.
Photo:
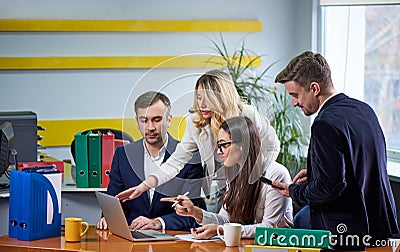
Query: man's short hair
[
  {"x": 147, "y": 99},
  {"x": 306, "y": 68}
]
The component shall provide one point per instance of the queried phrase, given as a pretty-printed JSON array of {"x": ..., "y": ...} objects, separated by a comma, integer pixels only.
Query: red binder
[
  {"x": 120, "y": 142},
  {"x": 59, "y": 165},
  {"x": 107, "y": 154}
]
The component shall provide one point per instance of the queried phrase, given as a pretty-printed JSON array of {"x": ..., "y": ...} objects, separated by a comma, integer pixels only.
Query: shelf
[
  {"x": 73, "y": 188},
  {"x": 114, "y": 62},
  {"x": 34, "y": 25}
]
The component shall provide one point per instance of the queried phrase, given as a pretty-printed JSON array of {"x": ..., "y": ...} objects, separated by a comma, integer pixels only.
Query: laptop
[{"x": 116, "y": 221}]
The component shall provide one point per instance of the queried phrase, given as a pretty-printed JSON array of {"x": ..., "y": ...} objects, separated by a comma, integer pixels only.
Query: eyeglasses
[{"x": 222, "y": 146}]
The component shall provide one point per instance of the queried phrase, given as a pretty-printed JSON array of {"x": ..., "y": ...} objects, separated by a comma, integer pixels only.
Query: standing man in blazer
[
  {"x": 345, "y": 188},
  {"x": 133, "y": 162}
]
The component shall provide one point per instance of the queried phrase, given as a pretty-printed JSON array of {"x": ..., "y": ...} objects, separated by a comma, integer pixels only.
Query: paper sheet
[
  {"x": 189, "y": 237},
  {"x": 55, "y": 179}
]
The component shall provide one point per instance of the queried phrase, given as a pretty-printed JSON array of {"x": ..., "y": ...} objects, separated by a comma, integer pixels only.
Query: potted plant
[
  {"x": 286, "y": 121},
  {"x": 251, "y": 86}
]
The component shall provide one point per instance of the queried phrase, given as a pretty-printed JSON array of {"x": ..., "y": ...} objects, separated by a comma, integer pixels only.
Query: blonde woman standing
[{"x": 215, "y": 100}]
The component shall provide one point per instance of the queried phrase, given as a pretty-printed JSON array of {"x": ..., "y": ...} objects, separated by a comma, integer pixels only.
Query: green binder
[
  {"x": 81, "y": 160},
  {"x": 94, "y": 153},
  {"x": 292, "y": 237}
]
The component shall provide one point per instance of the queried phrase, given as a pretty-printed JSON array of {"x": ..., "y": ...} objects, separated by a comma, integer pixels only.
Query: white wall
[{"x": 75, "y": 94}]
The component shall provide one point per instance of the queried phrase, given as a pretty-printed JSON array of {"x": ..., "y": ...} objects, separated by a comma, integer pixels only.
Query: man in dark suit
[
  {"x": 345, "y": 188},
  {"x": 133, "y": 162}
]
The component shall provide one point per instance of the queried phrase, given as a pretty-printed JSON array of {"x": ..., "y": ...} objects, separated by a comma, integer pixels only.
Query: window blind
[{"x": 357, "y": 2}]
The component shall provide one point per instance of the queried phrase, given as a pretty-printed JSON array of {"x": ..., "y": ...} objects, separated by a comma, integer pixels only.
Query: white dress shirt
[{"x": 151, "y": 164}]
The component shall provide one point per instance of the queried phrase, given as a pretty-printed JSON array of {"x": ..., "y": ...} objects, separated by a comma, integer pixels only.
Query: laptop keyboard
[{"x": 139, "y": 235}]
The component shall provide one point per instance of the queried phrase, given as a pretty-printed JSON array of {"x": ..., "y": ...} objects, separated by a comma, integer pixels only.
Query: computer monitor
[
  {"x": 24, "y": 124},
  {"x": 6, "y": 147}
]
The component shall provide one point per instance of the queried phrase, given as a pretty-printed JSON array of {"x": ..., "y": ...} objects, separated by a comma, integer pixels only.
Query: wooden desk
[{"x": 99, "y": 240}]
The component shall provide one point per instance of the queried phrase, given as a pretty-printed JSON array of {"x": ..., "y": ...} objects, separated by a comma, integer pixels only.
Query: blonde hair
[{"x": 221, "y": 96}]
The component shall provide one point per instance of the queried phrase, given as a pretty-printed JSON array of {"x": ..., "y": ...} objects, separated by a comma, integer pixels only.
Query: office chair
[{"x": 118, "y": 134}]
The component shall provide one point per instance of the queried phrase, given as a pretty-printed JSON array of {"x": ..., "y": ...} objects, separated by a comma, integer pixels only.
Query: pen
[{"x": 176, "y": 202}]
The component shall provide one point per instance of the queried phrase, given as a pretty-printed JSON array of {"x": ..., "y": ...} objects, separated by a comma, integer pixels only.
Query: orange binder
[{"x": 107, "y": 154}]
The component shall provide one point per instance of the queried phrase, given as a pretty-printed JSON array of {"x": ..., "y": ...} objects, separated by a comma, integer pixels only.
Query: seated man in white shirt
[{"x": 133, "y": 162}]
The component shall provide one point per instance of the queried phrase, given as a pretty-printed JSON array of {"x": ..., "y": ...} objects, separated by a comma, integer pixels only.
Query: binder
[
  {"x": 258, "y": 248},
  {"x": 292, "y": 237},
  {"x": 81, "y": 160},
  {"x": 94, "y": 156},
  {"x": 107, "y": 154},
  {"x": 34, "y": 205}
]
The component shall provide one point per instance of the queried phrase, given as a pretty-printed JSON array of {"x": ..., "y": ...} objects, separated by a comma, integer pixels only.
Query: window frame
[{"x": 393, "y": 155}]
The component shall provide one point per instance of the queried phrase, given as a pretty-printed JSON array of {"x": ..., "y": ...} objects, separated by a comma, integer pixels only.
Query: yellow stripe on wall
[
  {"x": 193, "y": 61},
  {"x": 20, "y": 25},
  {"x": 61, "y": 132}
]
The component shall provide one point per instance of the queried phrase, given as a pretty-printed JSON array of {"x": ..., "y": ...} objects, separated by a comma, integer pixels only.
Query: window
[{"x": 362, "y": 45}]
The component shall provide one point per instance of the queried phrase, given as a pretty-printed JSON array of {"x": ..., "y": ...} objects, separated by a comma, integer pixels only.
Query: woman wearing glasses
[
  {"x": 239, "y": 146},
  {"x": 215, "y": 100}
]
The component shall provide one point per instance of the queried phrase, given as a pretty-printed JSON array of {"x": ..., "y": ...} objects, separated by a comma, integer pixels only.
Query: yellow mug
[{"x": 73, "y": 229}]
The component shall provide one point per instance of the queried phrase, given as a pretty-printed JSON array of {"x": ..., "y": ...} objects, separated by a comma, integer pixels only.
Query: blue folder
[{"x": 28, "y": 207}]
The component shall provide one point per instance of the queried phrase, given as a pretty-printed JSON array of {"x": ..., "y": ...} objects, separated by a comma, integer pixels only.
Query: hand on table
[
  {"x": 102, "y": 224},
  {"x": 142, "y": 222},
  {"x": 205, "y": 232}
]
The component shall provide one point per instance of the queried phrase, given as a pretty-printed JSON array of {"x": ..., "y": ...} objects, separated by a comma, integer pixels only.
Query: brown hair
[
  {"x": 147, "y": 99},
  {"x": 241, "y": 198},
  {"x": 306, "y": 68}
]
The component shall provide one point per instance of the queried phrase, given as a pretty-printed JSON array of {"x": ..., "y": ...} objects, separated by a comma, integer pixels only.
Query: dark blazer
[
  {"x": 127, "y": 171},
  {"x": 346, "y": 170}
]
